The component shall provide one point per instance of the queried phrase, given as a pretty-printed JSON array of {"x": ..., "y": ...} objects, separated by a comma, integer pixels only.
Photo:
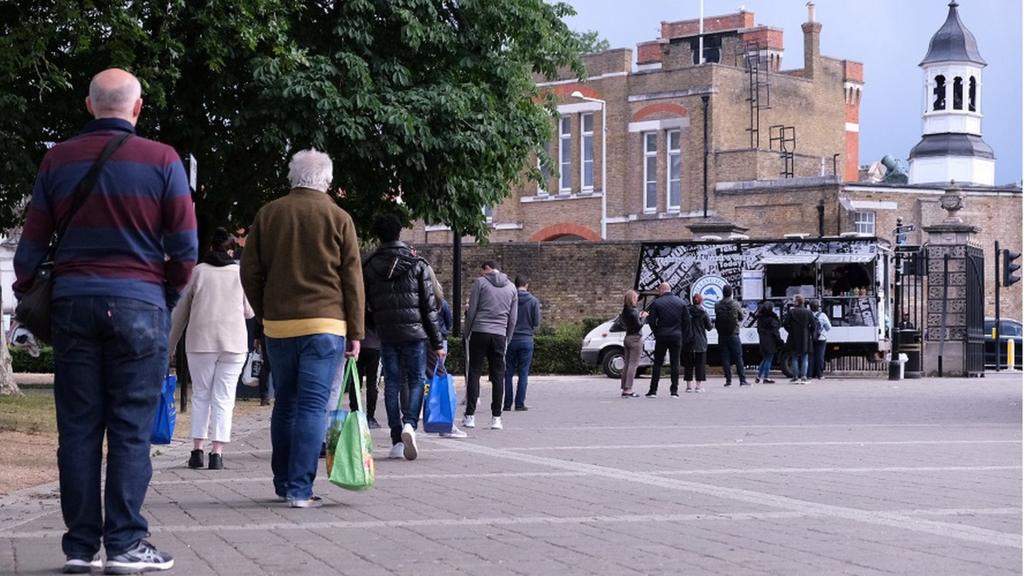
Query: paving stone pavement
[{"x": 837, "y": 477}]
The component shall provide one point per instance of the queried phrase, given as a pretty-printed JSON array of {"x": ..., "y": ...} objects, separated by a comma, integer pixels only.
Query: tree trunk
[{"x": 8, "y": 387}]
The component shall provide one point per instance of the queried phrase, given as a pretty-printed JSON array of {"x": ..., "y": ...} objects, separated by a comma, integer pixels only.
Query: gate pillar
[{"x": 954, "y": 327}]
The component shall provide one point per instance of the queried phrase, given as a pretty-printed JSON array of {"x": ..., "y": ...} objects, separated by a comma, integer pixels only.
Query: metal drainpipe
[{"x": 704, "y": 100}]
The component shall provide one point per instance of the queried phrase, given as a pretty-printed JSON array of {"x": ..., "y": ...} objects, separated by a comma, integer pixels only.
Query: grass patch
[{"x": 31, "y": 413}]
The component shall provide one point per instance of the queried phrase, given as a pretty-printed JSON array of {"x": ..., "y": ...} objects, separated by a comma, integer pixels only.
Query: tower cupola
[{"x": 951, "y": 147}]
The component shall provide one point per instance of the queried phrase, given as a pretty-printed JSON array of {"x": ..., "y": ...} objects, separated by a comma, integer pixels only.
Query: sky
[{"x": 889, "y": 36}]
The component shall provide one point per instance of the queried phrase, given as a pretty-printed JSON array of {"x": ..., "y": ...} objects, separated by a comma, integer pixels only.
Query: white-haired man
[
  {"x": 303, "y": 276},
  {"x": 126, "y": 254}
]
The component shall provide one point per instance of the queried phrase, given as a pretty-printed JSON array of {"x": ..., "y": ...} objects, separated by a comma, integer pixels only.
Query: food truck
[{"x": 848, "y": 276}]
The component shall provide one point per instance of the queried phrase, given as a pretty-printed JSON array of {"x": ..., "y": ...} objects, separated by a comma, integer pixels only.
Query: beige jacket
[{"x": 214, "y": 309}]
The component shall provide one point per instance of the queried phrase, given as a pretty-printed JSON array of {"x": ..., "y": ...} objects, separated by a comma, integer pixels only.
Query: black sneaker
[
  {"x": 522, "y": 408},
  {"x": 196, "y": 459},
  {"x": 372, "y": 423},
  {"x": 727, "y": 384},
  {"x": 143, "y": 557},
  {"x": 506, "y": 408},
  {"x": 82, "y": 565},
  {"x": 216, "y": 462},
  {"x": 651, "y": 394},
  {"x": 323, "y": 450}
]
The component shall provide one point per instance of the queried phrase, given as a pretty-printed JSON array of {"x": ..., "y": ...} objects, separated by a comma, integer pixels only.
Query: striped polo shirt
[{"x": 135, "y": 235}]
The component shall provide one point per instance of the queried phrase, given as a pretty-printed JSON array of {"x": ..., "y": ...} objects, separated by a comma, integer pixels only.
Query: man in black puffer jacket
[
  {"x": 400, "y": 306},
  {"x": 669, "y": 319}
]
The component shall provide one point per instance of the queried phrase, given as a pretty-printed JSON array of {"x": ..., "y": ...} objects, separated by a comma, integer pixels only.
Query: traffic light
[{"x": 1009, "y": 268}]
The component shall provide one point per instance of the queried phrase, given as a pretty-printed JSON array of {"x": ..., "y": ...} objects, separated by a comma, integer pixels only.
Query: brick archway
[
  {"x": 558, "y": 230},
  {"x": 666, "y": 108}
]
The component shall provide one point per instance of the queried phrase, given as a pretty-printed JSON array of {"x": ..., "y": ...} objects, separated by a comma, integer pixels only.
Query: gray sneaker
[
  {"x": 82, "y": 565},
  {"x": 143, "y": 557}
]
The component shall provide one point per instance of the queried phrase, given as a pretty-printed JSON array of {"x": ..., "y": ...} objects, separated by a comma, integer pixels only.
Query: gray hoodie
[{"x": 493, "y": 306}]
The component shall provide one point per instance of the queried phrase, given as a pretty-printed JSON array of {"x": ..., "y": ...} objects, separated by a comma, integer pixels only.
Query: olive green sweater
[{"x": 301, "y": 268}]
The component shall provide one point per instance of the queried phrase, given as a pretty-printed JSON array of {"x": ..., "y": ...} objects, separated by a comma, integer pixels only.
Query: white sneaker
[
  {"x": 469, "y": 421},
  {"x": 397, "y": 451},
  {"x": 496, "y": 423},
  {"x": 82, "y": 565},
  {"x": 409, "y": 441},
  {"x": 312, "y": 502},
  {"x": 455, "y": 433}
]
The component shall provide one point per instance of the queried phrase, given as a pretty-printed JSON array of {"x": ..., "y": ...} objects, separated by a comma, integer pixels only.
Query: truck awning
[
  {"x": 789, "y": 259},
  {"x": 845, "y": 258}
]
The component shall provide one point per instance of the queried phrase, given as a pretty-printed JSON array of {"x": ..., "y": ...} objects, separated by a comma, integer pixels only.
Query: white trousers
[{"x": 214, "y": 379}]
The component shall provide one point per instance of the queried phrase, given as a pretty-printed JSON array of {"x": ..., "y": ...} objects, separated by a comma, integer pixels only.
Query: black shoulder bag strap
[{"x": 85, "y": 186}]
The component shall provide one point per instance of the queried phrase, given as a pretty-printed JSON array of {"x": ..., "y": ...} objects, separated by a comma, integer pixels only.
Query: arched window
[
  {"x": 958, "y": 93},
  {"x": 972, "y": 93},
  {"x": 940, "y": 93}
]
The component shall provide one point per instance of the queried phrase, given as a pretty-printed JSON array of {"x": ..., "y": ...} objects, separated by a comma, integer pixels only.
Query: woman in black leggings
[{"x": 696, "y": 361}]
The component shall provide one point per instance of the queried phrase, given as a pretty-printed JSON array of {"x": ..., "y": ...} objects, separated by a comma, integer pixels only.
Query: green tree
[
  {"x": 591, "y": 41},
  {"x": 425, "y": 105}
]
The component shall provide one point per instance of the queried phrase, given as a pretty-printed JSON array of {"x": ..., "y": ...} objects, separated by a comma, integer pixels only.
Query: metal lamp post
[{"x": 604, "y": 159}]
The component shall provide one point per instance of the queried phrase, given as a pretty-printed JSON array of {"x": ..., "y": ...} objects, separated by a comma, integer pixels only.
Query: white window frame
[
  {"x": 545, "y": 179},
  {"x": 564, "y": 151},
  {"x": 864, "y": 222},
  {"x": 669, "y": 152},
  {"x": 650, "y": 178},
  {"x": 584, "y": 134},
  {"x": 488, "y": 214}
]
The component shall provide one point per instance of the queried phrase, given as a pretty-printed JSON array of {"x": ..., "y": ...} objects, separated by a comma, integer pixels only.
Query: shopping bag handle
[
  {"x": 439, "y": 367},
  {"x": 350, "y": 369}
]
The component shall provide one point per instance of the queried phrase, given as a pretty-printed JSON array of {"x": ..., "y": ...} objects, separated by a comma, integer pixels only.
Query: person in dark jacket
[
  {"x": 401, "y": 307},
  {"x": 799, "y": 324},
  {"x": 768, "y": 337},
  {"x": 728, "y": 317},
  {"x": 670, "y": 322},
  {"x": 519, "y": 355},
  {"x": 696, "y": 364},
  {"x": 368, "y": 365},
  {"x": 632, "y": 344}
]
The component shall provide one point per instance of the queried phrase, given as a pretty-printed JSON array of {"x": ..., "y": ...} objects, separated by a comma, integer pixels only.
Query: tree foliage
[
  {"x": 591, "y": 42},
  {"x": 428, "y": 106}
]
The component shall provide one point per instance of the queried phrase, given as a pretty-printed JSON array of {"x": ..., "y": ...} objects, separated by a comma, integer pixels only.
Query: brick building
[
  {"x": 656, "y": 132},
  {"x": 781, "y": 148}
]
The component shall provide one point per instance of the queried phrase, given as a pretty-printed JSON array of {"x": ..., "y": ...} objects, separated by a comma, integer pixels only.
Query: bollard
[{"x": 1010, "y": 359}]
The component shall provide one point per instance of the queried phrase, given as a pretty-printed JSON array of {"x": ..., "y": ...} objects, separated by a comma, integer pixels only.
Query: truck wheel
[
  {"x": 612, "y": 362},
  {"x": 785, "y": 363}
]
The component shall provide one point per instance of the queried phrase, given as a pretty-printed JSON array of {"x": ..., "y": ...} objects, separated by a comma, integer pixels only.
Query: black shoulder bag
[{"x": 33, "y": 311}]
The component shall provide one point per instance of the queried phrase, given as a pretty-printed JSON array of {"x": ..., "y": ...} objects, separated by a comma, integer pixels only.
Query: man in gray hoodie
[{"x": 490, "y": 322}]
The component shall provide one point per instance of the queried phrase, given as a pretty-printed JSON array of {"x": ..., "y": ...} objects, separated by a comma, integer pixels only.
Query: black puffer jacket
[{"x": 399, "y": 296}]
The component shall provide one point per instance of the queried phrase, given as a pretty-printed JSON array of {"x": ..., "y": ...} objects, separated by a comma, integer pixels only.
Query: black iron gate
[
  {"x": 974, "y": 345},
  {"x": 910, "y": 295}
]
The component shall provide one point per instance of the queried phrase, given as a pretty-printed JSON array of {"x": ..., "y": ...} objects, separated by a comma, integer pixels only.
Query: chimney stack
[{"x": 812, "y": 43}]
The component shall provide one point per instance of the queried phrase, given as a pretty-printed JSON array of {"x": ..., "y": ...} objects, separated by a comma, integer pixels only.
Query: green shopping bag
[{"x": 352, "y": 464}]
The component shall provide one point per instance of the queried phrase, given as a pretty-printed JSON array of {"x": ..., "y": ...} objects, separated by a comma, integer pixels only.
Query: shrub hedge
[
  {"x": 22, "y": 362},
  {"x": 556, "y": 350}
]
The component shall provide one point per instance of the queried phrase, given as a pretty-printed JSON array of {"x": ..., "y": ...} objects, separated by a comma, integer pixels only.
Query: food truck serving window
[
  {"x": 847, "y": 274},
  {"x": 786, "y": 275}
]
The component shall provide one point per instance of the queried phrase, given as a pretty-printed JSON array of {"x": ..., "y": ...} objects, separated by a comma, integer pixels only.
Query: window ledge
[{"x": 561, "y": 197}]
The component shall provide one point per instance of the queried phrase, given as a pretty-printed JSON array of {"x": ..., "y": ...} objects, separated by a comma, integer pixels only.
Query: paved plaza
[{"x": 839, "y": 477}]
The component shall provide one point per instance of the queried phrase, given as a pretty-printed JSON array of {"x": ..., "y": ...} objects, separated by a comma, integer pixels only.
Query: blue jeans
[
  {"x": 110, "y": 358},
  {"x": 818, "y": 362},
  {"x": 405, "y": 367},
  {"x": 303, "y": 369},
  {"x": 732, "y": 353},
  {"x": 518, "y": 359},
  {"x": 799, "y": 365},
  {"x": 766, "y": 365}
]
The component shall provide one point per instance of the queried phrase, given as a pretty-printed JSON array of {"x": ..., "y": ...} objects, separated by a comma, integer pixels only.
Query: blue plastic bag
[
  {"x": 166, "y": 414},
  {"x": 439, "y": 407}
]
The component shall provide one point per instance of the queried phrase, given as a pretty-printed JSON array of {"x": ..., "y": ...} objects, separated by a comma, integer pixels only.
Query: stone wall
[{"x": 573, "y": 280}]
